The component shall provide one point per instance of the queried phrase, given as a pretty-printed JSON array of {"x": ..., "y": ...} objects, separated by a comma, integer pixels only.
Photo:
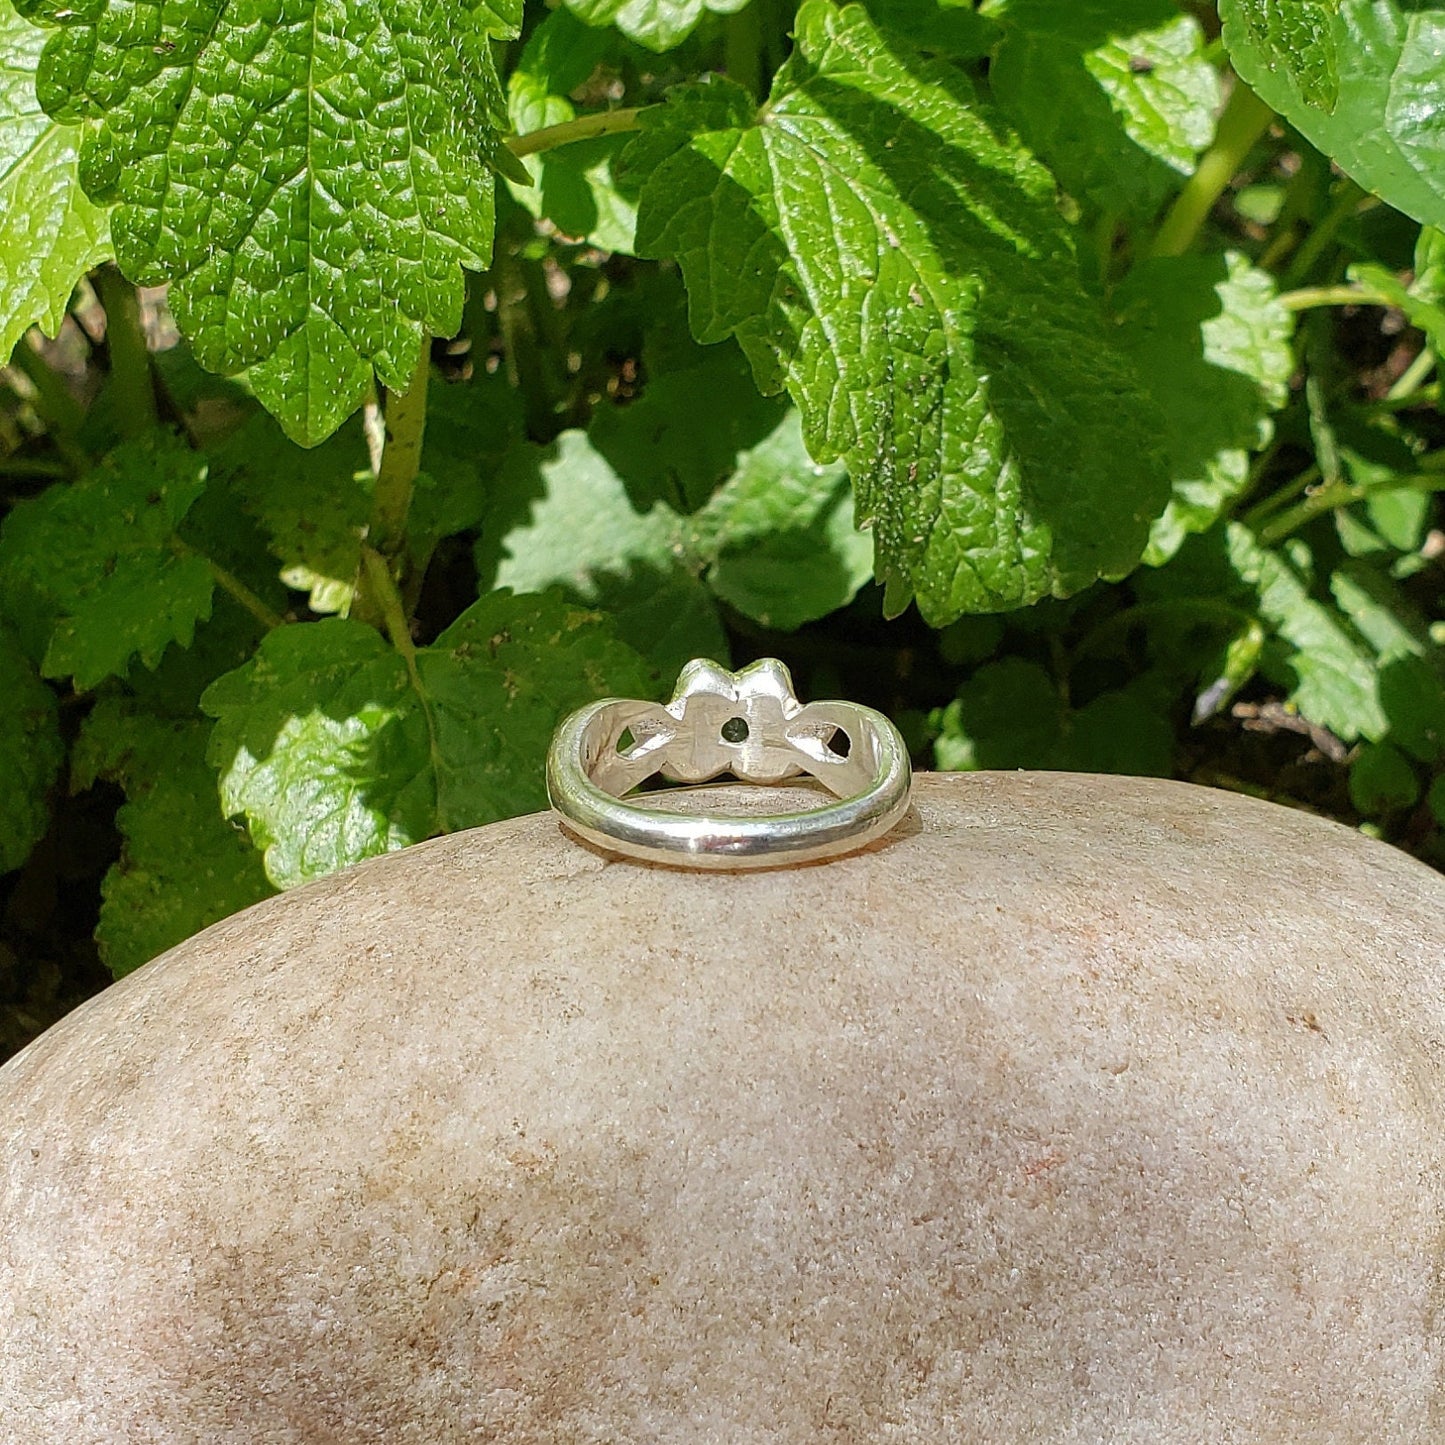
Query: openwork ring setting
[{"x": 748, "y": 724}]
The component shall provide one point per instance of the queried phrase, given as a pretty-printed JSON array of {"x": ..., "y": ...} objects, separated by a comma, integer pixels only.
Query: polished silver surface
[{"x": 748, "y": 724}]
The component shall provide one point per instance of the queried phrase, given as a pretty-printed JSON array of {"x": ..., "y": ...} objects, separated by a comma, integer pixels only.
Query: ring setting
[{"x": 751, "y": 725}]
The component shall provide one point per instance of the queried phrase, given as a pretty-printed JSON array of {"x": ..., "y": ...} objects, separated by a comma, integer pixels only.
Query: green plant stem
[
  {"x": 57, "y": 403},
  {"x": 1281, "y": 242},
  {"x": 1280, "y": 497},
  {"x": 62, "y": 414},
  {"x": 418, "y": 561},
  {"x": 382, "y": 584},
  {"x": 1307, "y": 298},
  {"x": 1306, "y": 195},
  {"x": 405, "y": 421},
  {"x": 1413, "y": 377},
  {"x": 405, "y": 418},
  {"x": 1322, "y": 236},
  {"x": 1423, "y": 396},
  {"x": 1246, "y": 117},
  {"x": 130, "y": 361},
  {"x": 1331, "y": 497},
  {"x": 743, "y": 48},
  {"x": 585, "y": 127},
  {"x": 230, "y": 583},
  {"x": 1321, "y": 378},
  {"x": 24, "y": 468},
  {"x": 1258, "y": 469}
]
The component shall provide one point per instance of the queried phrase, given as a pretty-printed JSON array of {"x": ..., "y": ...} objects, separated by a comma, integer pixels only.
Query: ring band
[{"x": 748, "y": 724}]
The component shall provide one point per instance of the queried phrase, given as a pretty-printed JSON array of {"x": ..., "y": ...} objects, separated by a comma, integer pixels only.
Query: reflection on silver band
[{"x": 748, "y": 724}]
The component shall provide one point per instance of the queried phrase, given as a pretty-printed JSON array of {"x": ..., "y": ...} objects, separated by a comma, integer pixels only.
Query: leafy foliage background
[{"x": 388, "y": 377}]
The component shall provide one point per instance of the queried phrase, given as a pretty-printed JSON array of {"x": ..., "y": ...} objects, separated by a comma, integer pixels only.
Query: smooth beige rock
[{"x": 1086, "y": 1110}]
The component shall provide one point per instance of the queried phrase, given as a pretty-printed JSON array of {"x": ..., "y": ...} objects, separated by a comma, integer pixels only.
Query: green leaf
[
  {"x": 1329, "y": 671},
  {"x": 323, "y": 747},
  {"x": 1379, "y": 612},
  {"x": 314, "y": 379},
  {"x": 947, "y": 27},
  {"x": 1212, "y": 343},
  {"x": 1394, "y": 515},
  {"x": 310, "y": 182},
  {"x": 1127, "y": 731},
  {"x": 1118, "y": 99},
  {"x": 779, "y": 535},
  {"x": 334, "y": 747},
  {"x": 217, "y": 527},
  {"x": 52, "y": 233},
  {"x": 578, "y": 191},
  {"x": 1010, "y": 714},
  {"x": 800, "y": 575},
  {"x": 182, "y": 866},
  {"x": 530, "y": 538},
  {"x": 470, "y": 427},
  {"x": 499, "y": 680},
  {"x": 559, "y": 56},
  {"x": 1412, "y": 693},
  {"x": 1411, "y": 674},
  {"x": 497, "y": 18},
  {"x": 96, "y": 568},
  {"x": 573, "y": 186},
  {"x": 970, "y": 640},
  {"x": 1400, "y": 517},
  {"x": 625, "y": 560},
  {"x": 1382, "y": 780},
  {"x": 1296, "y": 40},
  {"x": 1353, "y": 659},
  {"x": 1361, "y": 80},
  {"x": 174, "y": 688},
  {"x": 776, "y": 540},
  {"x": 657, "y": 24},
  {"x": 900, "y": 265},
  {"x": 31, "y": 746},
  {"x": 1429, "y": 282},
  {"x": 698, "y": 412},
  {"x": 314, "y": 505}
]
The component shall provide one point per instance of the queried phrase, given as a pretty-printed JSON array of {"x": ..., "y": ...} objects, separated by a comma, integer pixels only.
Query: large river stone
[{"x": 1084, "y": 1110}]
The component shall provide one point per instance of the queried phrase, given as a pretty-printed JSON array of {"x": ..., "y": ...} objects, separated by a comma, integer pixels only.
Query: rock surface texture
[{"x": 1081, "y": 1110}]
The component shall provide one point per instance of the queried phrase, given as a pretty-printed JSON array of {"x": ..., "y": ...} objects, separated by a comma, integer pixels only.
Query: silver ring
[{"x": 745, "y": 723}]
